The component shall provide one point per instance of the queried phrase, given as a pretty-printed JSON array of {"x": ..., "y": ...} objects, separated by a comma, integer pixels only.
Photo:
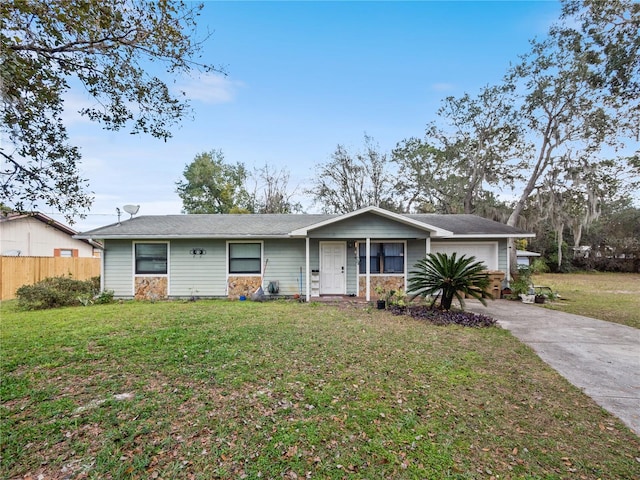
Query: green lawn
[
  {"x": 218, "y": 389},
  {"x": 614, "y": 297}
]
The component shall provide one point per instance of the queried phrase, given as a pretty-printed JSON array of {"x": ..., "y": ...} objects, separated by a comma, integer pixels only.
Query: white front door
[{"x": 333, "y": 264}]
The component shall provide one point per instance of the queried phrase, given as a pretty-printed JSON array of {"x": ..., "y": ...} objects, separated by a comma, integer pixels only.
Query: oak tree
[
  {"x": 350, "y": 181},
  {"x": 211, "y": 185},
  {"x": 110, "y": 51}
]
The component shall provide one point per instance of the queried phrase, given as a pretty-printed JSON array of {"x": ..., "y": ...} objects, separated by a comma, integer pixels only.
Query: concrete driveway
[{"x": 601, "y": 358}]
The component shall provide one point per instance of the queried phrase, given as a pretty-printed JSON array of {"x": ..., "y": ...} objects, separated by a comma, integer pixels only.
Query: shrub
[
  {"x": 522, "y": 282},
  {"x": 449, "y": 276},
  {"x": 607, "y": 264},
  {"x": 539, "y": 266},
  {"x": 54, "y": 292},
  {"x": 104, "y": 297}
]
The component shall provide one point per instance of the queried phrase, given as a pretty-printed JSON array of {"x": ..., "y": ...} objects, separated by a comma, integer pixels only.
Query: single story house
[
  {"x": 311, "y": 255},
  {"x": 37, "y": 235}
]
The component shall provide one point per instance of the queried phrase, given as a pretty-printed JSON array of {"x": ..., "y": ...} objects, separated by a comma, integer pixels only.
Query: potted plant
[{"x": 382, "y": 295}]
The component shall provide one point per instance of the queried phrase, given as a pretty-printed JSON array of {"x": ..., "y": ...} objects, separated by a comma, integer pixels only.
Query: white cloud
[
  {"x": 210, "y": 88},
  {"x": 73, "y": 103}
]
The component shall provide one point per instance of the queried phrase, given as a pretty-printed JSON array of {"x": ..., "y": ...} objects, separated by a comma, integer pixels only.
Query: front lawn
[
  {"x": 614, "y": 297},
  {"x": 218, "y": 389}
]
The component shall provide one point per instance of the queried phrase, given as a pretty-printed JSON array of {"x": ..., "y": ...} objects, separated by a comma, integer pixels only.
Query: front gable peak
[{"x": 433, "y": 231}]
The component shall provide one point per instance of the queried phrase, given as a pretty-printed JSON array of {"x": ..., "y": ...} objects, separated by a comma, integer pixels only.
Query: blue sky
[{"x": 303, "y": 77}]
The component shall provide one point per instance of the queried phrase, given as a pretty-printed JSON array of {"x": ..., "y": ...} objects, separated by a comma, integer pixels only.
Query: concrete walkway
[{"x": 601, "y": 358}]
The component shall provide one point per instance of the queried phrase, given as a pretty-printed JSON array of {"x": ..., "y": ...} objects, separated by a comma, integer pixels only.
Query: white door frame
[{"x": 343, "y": 244}]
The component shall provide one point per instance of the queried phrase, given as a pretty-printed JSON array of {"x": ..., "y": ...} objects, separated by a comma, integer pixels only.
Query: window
[
  {"x": 151, "y": 258},
  {"x": 245, "y": 258},
  {"x": 65, "y": 252},
  {"x": 385, "y": 258}
]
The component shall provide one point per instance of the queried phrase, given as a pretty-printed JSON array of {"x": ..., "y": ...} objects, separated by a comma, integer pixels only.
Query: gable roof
[
  {"x": 404, "y": 219},
  {"x": 14, "y": 216},
  {"x": 470, "y": 226},
  {"x": 239, "y": 226}
]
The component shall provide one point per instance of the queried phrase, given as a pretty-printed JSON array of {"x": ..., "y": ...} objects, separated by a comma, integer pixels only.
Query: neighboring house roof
[
  {"x": 288, "y": 225},
  {"x": 12, "y": 217},
  {"x": 526, "y": 253}
]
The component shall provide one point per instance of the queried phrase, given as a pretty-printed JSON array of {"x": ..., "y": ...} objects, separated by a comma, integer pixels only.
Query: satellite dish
[{"x": 131, "y": 209}]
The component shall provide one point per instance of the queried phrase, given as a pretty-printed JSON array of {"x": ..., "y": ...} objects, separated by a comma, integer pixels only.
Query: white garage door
[{"x": 486, "y": 252}]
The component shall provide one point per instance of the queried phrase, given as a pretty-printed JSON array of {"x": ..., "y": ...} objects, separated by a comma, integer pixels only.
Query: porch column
[
  {"x": 307, "y": 268},
  {"x": 368, "y": 270},
  {"x": 428, "y": 245},
  {"x": 508, "y": 274}
]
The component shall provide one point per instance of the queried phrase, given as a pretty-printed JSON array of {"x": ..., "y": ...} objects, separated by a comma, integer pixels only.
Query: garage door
[{"x": 486, "y": 252}]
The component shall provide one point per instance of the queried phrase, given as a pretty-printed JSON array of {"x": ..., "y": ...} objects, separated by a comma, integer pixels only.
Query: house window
[
  {"x": 385, "y": 257},
  {"x": 245, "y": 258},
  {"x": 151, "y": 258},
  {"x": 65, "y": 252}
]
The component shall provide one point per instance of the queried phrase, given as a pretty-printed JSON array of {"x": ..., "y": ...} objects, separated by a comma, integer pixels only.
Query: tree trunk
[
  {"x": 559, "y": 234},
  {"x": 446, "y": 301}
]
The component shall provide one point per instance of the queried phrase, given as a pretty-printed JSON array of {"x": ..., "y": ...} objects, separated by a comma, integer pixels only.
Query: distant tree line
[
  {"x": 547, "y": 136},
  {"x": 550, "y": 135}
]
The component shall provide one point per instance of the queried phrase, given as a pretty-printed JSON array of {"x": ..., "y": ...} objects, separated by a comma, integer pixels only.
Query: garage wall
[{"x": 492, "y": 252}]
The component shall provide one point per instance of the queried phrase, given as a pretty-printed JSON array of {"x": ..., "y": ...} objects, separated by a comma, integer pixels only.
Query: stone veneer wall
[
  {"x": 388, "y": 282},
  {"x": 151, "y": 288},
  {"x": 243, "y": 286}
]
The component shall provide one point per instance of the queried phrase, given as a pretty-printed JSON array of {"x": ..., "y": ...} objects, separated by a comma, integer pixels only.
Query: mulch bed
[{"x": 444, "y": 317}]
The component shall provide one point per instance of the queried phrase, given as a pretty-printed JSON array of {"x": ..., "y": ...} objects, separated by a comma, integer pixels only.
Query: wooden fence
[{"x": 18, "y": 271}]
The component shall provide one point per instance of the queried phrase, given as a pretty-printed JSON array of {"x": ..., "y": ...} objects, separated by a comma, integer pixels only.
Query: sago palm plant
[{"x": 449, "y": 277}]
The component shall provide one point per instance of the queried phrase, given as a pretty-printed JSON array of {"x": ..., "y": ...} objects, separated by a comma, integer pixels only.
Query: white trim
[
  {"x": 496, "y": 245},
  {"x": 367, "y": 275},
  {"x": 367, "y": 270},
  {"x": 435, "y": 231},
  {"x": 102, "y": 270},
  {"x": 177, "y": 236},
  {"x": 344, "y": 261},
  {"x": 473, "y": 236},
  {"x": 308, "y": 269},
  {"x": 368, "y": 254},
  {"x": 226, "y": 260},
  {"x": 133, "y": 265}
]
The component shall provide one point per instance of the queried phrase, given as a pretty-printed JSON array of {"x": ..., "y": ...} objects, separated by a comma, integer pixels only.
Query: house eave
[
  {"x": 178, "y": 237},
  {"x": 475, "y": 236},
  {"x": 435, "y": 232}
]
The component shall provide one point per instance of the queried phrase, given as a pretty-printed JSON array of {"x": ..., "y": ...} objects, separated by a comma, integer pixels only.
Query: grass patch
[
  {"x": 614, "y": 297},
  {"x": 217, "y": 389}
]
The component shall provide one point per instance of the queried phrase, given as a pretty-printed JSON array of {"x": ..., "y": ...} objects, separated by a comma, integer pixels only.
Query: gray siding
[
  {"x": 199, "y": 275},
  {"x": 368, "y": 225},
  {"x": 502, "y": 254},
  {"x": 416, "y": 251},
  {"x": 206, "y": 275},
  {"x": 286, "y": 257},
  {"x": 118, "y": 267}
]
